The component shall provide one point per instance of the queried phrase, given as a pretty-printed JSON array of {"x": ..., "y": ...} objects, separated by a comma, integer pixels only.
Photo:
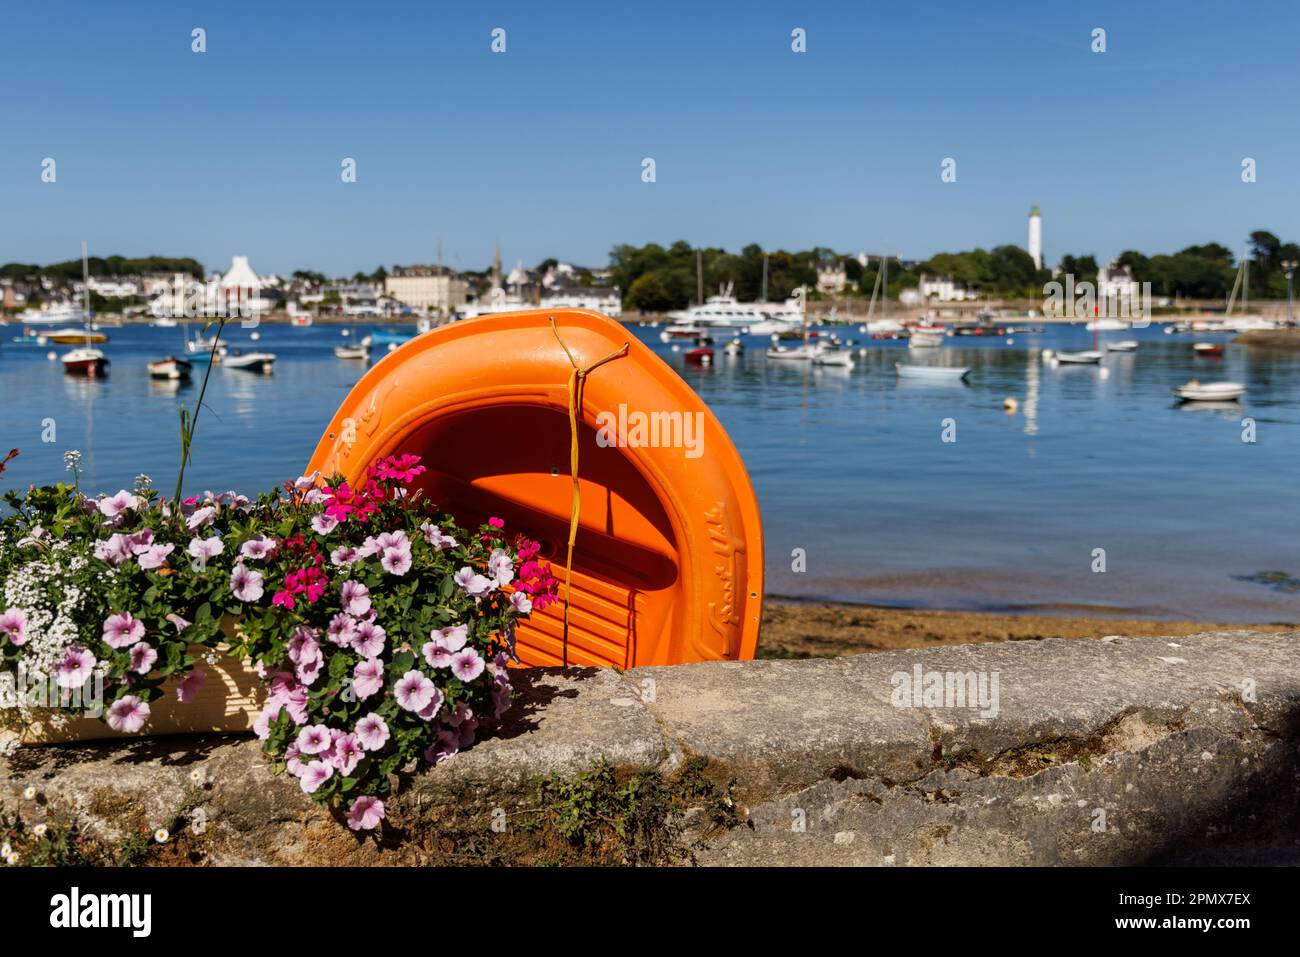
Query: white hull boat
[
  {"x": 1124, "y": 345},
  {"x": 793, "y": 353},
  {"x": 933, "y": 373},
  {"x": 250, "y": 361},
  {"x": 1210, "y": 391},
  {"x": 834, "y": 358},
  {"x": 1079, "y": 358},
  {"x": 352, "y": 352},
  {"x": 87, "y": 362},
  {"x": 170, "y": 368}
]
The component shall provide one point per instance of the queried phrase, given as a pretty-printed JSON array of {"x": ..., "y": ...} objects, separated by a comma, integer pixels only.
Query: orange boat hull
[{"x": 668, "y": 562}]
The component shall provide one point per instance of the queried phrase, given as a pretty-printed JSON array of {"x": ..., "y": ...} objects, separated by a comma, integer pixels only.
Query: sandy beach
[{"x": 826, "y": 630}]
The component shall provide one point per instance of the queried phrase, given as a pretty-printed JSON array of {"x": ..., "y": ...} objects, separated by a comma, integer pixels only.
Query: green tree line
[{"x": 655, "y": 278}]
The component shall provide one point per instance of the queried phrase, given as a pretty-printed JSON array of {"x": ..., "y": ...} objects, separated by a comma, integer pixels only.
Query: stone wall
[{"x": 1116, "y": 751}]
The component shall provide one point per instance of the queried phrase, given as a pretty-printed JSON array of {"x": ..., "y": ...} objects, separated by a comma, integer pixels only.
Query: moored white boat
[
  {"x": 799, "y": 353},
  {"x": 948, "y": 373},
  {"x": 250, "y": 361},
  {"x": 834, "y": 357},
  {"x": 1124, "y": 345},
  {"x": 170, "y": 368},
  {"x": 352, "y": 352},
  {"x": 1195, "y": 391},
  {"x": 88, "y": 362},
  {"x": 1079, "y": 358}
]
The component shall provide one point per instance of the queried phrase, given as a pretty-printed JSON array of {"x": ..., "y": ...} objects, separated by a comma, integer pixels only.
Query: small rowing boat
[
  {"x": 934, "y": 373},
  {"x": 76, "y": 337},
  {"x": 250, "y": 361},
  {"x": 170, "y": 368},
  {"x": 702, "y": 356},
  {"x": 1124, "y": 345},
  {"x": 1208, "y": 349},
  {"x": 352, "y": 352},
  {"x": 1195, "y": 391},
  {"x": 1079, "y": 358}
]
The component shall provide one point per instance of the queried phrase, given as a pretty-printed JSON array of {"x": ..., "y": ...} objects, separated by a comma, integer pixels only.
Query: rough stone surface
[{"x": 1116, "y": 751}]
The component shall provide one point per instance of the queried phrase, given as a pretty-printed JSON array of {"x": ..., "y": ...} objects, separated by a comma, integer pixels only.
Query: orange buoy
[{"x": 668, "y": 556}]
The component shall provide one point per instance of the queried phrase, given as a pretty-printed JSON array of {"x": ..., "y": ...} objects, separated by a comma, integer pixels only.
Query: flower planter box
[{"x": 230, "y": 699}]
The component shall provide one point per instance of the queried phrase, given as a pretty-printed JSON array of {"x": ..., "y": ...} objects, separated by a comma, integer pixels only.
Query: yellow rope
[{"x": 577, "y": 378}]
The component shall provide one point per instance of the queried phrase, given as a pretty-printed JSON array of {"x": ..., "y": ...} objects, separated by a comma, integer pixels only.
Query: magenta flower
[
  {"x": 396, "y": 561},
  {"x": 128, "y": 714},
  {"x": 414, "y": 691},
  {"x": 142, "y": 657},
  {"x": 74, "y": 668},
  {"x": 258, "y": 548},
  {"x": 497, "y": 523},
  {"x": 347, "y": 754},
  {"x": 314, "y": 739},
  {"x": 122, "y": 630},
  {"x": 466, "y": 665},
  {"x": 123, "y": 501},
  {"x": 368, "y": 678},
  {"x": 13, "y": 625},
  {"x": 368, "y": 639},
  {"x": 246, "y": 584},
  {"x": 366, "y": 813},
  {"x": 372, "y": 732},
  {"x": 355, "y": 598},
  {"x": 155, "y": 556},
  {"x": 315, "y": 774},
  {"x": 189, "y": 687}
]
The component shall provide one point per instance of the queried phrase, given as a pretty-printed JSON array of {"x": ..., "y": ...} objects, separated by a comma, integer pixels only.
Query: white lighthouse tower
[{"x": 1036, "y": 237}]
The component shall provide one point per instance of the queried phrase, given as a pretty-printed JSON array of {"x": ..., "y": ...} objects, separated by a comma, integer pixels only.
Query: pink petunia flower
[
  {"x": 74, "y": 668},
  {"x": 366, "y": 813},
  {"x": 436, "y": 653},
  {"x": 115, "y": 549},
  {"x": 324, "y": 523},
  {"x": 368, "y": 639},
  {"x": 122, "y": 630},
  {"x": 13, "y": 625},
  {"x": 368, "y": 678},
  {"x": 500, "y": 567},
  {"x": 453, "y": 637},
  {"x": 314, "y": 739},
  {"x": 128, "y": 714},
  {"x": 143, "y": 656},
  {"x": 123, "y": 501},
  {"x": 189, "y": 687},
  {"x": 355, "y": 598},
  {"x": 345, "y": 555},
  {"x": 466, "y": 664},
  {"x": 430, "y": 710},
  {"x": 523, "y": 604},
  {"x": 258, "y": 548},
  {"x": 201, "y": 516},
  {"x": 472, "y": 583},
  {"x": 414, "y": 691},
  {"x": 347, "y": 754},
  {"x": 396, "y": 561},
  {"x": 246, "y": 584},
  {"x": 314, "y": 775},
  {"x": 155, "y": 556},
  {"x": 372, "y": 732},
  {"x": 205, "y": 548},
  {"x": 342, "y": 630}
]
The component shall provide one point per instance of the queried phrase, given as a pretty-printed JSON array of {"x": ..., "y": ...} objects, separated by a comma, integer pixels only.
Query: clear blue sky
[{"x": 238, "y": 150}]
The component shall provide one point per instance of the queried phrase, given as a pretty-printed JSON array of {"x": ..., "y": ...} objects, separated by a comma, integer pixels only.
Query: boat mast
[
  {"x": 85, "y": 286},
  {"x": 699, "y": 277},
  {"x": 763, "y": 297}
]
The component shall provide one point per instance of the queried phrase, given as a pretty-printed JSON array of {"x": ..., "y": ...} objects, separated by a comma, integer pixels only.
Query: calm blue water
[{"x": 848, "y": 464}]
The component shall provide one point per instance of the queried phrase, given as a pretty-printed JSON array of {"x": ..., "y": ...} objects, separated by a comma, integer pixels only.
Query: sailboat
[
  {"x": 87, "y": 360},
  {"x": 805, "y": 351}
]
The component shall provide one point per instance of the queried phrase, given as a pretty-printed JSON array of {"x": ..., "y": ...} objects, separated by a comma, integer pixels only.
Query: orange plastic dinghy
[{"x": 668, "y": 560}]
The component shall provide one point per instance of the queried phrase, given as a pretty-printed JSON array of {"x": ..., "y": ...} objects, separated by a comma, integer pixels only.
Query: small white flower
[
  {"x": 39, "y": 830},
  {"x": 6, "y": 850},
  {"x": 161, "y": 835},
  {"x": 29, "y": 792},
  {"x": 199, "y": 776},
  {"x": 11, "y": 858}
]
